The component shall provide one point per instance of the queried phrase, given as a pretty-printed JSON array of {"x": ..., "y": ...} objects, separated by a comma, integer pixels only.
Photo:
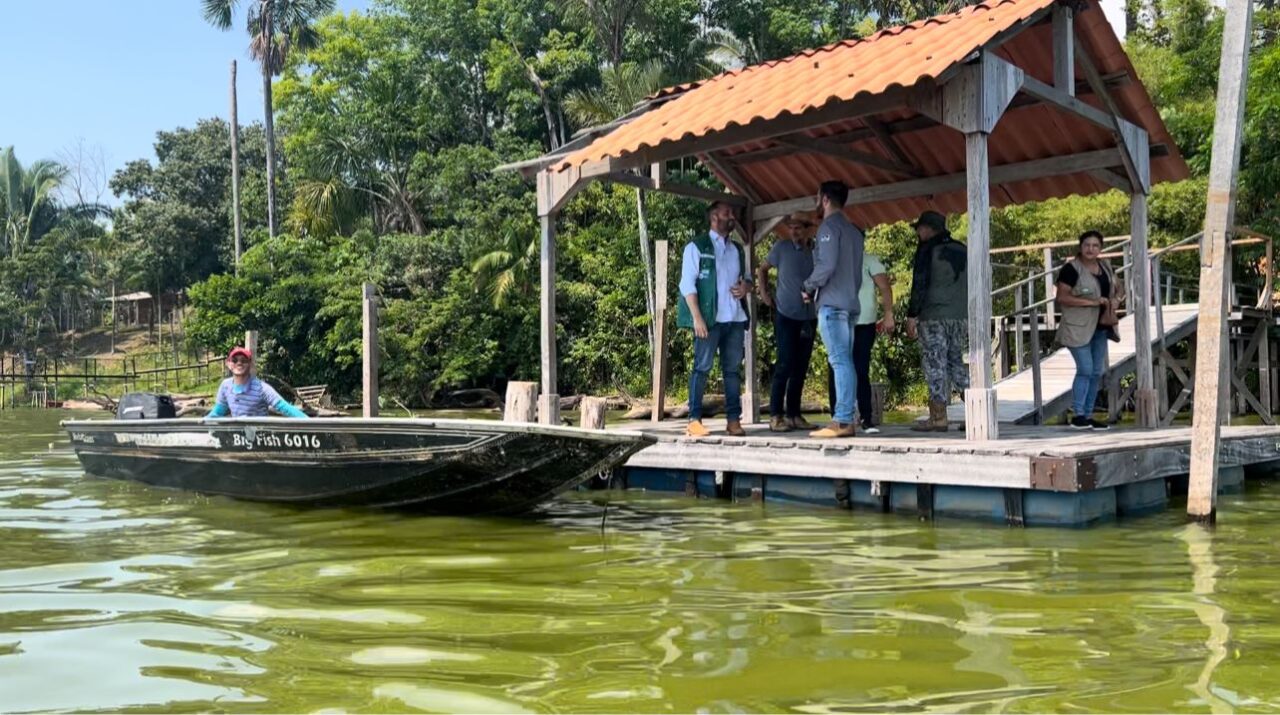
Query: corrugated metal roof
[{"x": 894, "y": 58}]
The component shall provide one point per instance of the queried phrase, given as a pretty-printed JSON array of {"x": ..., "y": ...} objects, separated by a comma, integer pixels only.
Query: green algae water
[{"x": 116, "y": 596}]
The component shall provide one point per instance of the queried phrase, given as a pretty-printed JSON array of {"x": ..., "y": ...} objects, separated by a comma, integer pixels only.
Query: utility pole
[
  {"x": 1212, "y": 378},
  {"x": 235, "y": 165}
]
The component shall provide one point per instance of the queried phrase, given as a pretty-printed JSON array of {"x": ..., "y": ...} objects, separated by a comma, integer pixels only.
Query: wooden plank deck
[
  {"x": 1015, "y": 401},
  {"x": 1025, "y": 457}
]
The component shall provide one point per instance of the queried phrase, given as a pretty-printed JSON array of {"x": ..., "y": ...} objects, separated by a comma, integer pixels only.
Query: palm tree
[
  {"x": 27, "y": 204},
  {"x": 29, "y": 209},
  {"x": 275, "y": 28},
  {"x": 624, "y": 86},
  {"x": 504, "y": 271}
]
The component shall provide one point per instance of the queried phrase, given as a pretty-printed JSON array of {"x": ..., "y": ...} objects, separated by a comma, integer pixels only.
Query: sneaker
[
  {"x": 779, "y": 424},
  {"x": 1099, "y": 425},
  {"x": 733, "y": 428},
  {"x": 870, "y": 429},
  {"x": 1079, "y": 422}
]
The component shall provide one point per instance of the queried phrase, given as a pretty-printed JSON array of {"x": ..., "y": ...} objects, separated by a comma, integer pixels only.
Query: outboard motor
[{"x": 145, "y": 406}]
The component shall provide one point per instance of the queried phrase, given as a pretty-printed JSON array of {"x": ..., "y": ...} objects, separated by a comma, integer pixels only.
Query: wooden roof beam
[
  {"x": 649, "y": 183},
  {"x": 1083, "y": 162},
  {"x": 843, "y": 153}
]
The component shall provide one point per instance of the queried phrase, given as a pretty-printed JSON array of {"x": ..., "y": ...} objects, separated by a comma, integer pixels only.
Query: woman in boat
[
  {"x": 1087, "y": 289},
  {"x": 244, "y": 395}
]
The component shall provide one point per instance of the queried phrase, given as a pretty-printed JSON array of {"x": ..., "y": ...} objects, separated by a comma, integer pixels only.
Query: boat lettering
[
  {"x": 168, "y": 439},
  {"x": 267, "y": 439}
]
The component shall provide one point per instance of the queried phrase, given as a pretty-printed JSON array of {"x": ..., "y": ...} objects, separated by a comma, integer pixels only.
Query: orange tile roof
[{"x": 895, "y": 58}]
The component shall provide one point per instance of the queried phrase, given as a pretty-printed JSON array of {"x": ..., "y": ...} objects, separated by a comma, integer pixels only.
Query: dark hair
[
  {"x": 711, "y": 207},
  {"x": 1091, "y": 233},
  {"x": 837, "y": 191}
]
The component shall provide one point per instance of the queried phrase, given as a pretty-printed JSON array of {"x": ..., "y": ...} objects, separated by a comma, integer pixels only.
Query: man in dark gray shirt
[
  {"x": 795, "y": 322},
  {"x": 834, "y": 286}
]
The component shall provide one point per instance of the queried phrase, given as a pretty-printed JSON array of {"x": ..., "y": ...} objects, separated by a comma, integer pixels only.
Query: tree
[
  {"x": 27, "y": 200},
  {"x": 275, "y": 28},
  {"x": 177, "y": 212}
]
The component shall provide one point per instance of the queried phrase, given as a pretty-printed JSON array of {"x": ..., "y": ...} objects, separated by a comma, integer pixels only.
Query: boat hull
[{"x": 444, "y": 466}]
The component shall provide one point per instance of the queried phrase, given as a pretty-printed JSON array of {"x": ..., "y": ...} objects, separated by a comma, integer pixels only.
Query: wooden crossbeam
[
  {"x": 1056, "y": 97},
  {"x": 730, "y": 175},
  {"x": 1125, "y": 132},
  {"x": 882, "y": 135},
  {"x": 1003, "y": 174},
  {"x": 838, "y": 151},
  {"x": 672, "y": 187}
]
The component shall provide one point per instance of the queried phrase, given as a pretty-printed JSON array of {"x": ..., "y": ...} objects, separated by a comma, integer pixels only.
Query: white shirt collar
[{"x": 715, "y": 236}]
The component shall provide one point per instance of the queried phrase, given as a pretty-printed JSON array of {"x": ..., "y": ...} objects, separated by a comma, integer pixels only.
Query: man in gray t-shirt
[{"x": 794, "y": 321}]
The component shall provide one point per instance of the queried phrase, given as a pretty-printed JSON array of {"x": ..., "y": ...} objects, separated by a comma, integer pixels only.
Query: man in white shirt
[{"x": 714, "y": 284}]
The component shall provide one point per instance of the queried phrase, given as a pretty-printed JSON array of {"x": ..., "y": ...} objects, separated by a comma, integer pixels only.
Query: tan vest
[{"x": 1079, "y": 323}]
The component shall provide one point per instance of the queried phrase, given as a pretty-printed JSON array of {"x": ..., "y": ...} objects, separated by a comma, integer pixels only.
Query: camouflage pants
[{"x": 942, "y": 347}]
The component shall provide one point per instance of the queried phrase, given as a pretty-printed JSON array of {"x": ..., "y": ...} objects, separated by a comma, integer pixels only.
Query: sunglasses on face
[{"x": 240, "y": 361}]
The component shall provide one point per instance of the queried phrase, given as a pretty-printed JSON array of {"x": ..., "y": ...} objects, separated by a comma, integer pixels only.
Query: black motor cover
[{"x": 145, "y": 406}]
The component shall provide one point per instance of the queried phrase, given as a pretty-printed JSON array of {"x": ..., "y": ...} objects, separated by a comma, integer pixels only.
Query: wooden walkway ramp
[{"x": 1015, "y": 399}]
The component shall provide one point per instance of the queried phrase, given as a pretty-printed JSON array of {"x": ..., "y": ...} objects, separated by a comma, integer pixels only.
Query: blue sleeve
[
  {"x": 287, "y": 409},
  {"x": 220, "y": 409}
]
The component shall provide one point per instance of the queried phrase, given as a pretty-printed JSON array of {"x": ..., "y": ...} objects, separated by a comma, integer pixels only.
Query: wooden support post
[
  {"x": 750, "y": 376},
  {"x": 1211, "y": 389},
  {"x": 980, "y": 399},
  {"x": 1037, "y": 386},
  {"x": 549, "y": 403},
  {"x": 1140, "y": 279},
  {"x": 661, "y": 289},
  {"x": 592, "y": 410},
  {"x": 250, "y": 344},
  {"x": 522, "y": 402},
  {"x": 1018, "y": 344},
  {"x": 1050, "y": 322},
  {"x": 370, "y": 350},
  {"x": 1064, "y": 58},
  {"x": 1264, "y": 365}
]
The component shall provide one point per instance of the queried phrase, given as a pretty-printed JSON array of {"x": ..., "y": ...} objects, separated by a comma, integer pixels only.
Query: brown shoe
[
  {"x": 695, "y": 429},
  {"x": 734, "y": 429},
  {"x": 779, "y": 424},
  {"x": 802, "y": 423},
  {"x": 937, "y": 419},
  {"x": 834, "y": 430}
]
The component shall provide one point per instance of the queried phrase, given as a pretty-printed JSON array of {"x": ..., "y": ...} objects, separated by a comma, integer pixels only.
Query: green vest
[{"x": 706, "y": 282}]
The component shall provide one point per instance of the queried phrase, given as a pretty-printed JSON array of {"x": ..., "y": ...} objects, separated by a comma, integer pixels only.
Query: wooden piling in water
[
  {"x": 1211, "y": 338},
  {"x": 592, "y": 410},
  {"x": 370, "y": 350},
  {"x": 522, "y": 402}
]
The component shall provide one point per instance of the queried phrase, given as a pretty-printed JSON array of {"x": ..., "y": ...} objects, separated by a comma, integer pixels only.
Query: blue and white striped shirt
[{"x": 249, "y": 400}]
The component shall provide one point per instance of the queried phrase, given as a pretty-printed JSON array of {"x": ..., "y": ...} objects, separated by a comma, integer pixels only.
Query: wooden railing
[{"x": 1166, "y": 289}]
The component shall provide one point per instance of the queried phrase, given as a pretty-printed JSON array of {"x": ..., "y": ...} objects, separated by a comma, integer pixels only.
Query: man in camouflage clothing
[{"x": 938, "y": 314}]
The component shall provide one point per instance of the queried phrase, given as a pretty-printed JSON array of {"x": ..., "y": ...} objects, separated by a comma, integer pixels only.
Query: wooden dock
[
  {"x": 1015, "y": 398},
  {"x": 1030, "y": 476}
]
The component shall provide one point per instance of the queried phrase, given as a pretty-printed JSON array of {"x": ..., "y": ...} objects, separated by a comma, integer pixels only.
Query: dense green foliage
[{"x": 392, "y": 123}]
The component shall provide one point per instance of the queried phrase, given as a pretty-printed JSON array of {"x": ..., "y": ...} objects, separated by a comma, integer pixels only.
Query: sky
[
  {"x": 111, "y": 73},
  {"x": 107, "y": 75}
]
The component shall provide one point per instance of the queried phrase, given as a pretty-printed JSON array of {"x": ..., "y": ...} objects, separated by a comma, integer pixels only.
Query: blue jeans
[
  {"x": 727, "y": 338},
  {"x": 1091, "y": 363},
  {"x": 837, "y": 328}
]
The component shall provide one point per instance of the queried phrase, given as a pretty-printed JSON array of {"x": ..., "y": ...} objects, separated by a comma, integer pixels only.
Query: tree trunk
[
  {"x": 268, "y": 124},
  {"x": 114, "y": 306},
  {"x": 235, "y": 169}
]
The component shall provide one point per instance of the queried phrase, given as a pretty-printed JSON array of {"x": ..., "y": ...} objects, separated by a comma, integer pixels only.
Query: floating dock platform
[{"x": 1031, "y": 476}]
